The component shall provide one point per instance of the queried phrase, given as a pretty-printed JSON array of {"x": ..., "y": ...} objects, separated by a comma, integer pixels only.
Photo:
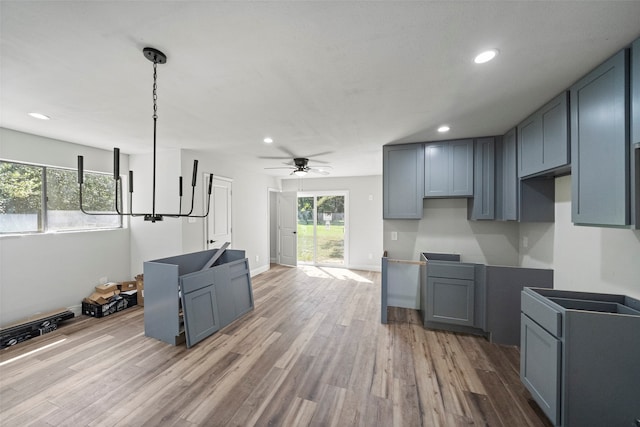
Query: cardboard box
[
  {"x": 102, "y": 297},
  {"x": 140, "y": 288},
  {"x": 128, "y": 286},
  {"x": 107, "y": 287},
  {"x": 119, "y": 303}
]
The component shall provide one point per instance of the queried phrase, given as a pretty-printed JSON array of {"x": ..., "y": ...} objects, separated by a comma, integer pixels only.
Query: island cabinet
[
  {"x": 600, "y": 145},
  {"x": 579, "y": 356},
  {"x": 403, "y": 181},
  {"x": 543, "y": 139},
  {"x": 448, "y": 168},
  {"x": 188, "y": 300},
  {"x": 483, "y": 204}
]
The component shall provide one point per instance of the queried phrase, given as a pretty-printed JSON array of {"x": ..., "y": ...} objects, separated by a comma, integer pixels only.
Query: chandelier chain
[{"x": 155, "y": 88}]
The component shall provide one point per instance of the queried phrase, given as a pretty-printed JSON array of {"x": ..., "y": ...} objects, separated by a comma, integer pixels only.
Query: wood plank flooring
[{"x": 313, "y": 352}]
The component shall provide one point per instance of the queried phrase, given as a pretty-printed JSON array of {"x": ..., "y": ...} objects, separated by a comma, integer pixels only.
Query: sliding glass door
[{"x": 322, "y": 223}]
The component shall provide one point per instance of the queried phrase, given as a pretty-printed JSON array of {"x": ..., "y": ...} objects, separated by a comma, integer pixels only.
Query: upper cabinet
[
  {"x": 600, "y": 146},
  {"x": 508, "y": 178},
  {"x": 403, "y": 180},
  {"x": 448, "y": 168},
  {"x": 635, "y": 134},
  {"x": 483, "y": 204},
  {"x": 543, "y": 140},
  {"x": 635, "y": 92}
]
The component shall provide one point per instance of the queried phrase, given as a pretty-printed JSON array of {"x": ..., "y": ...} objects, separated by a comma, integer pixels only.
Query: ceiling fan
[{"x": 300, "y": 165}]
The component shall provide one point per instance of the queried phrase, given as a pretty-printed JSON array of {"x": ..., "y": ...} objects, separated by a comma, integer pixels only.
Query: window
[{"x": 25, "y": 188}]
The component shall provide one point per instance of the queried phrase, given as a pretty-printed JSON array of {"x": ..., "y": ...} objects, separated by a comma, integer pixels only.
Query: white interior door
[
  {"x": 287, "y": 228},
  {"x": 219, "y": 228}
]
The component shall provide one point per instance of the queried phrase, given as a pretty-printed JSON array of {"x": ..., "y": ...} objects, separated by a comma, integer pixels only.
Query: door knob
[
  {"x": 295, "y": 232},
  {"x": 212, "y": 241}
]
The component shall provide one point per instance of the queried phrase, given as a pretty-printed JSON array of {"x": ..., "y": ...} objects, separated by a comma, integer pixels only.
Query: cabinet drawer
[
  {"x": 451, "y": 270},
  {"x": 543, "y": 314},
  {"x": 194, "y": 281}
]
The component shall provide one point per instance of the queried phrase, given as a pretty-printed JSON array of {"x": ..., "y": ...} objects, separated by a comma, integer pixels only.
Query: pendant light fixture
[{"x": 156, "y": 57}]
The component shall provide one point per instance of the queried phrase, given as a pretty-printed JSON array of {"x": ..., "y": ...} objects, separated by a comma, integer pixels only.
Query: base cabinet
[
  {"x": 183, "y": 302},
  {"x": 579, "y": 356}
]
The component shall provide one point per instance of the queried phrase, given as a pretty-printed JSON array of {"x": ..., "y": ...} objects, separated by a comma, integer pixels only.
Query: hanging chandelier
[{"x": 156, "y": 57}]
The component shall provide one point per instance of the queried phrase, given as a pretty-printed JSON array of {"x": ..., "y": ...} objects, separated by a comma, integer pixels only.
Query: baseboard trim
[{"x": 258, "y": 270}]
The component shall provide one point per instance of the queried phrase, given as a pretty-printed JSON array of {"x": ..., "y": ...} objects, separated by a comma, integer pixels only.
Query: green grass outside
[{"x": 330, "y": 243}]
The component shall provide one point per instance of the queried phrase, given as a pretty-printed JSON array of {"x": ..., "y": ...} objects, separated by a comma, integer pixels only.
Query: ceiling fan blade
[
  {"x": 321, "y": 167},
  {"x": 319, "y": 172},
  {"x": 280, "y": 167},
  {"x": 324, "y": 153},
  {"x": 273, "y": 157},
  {"x": 286, "y": 151}
]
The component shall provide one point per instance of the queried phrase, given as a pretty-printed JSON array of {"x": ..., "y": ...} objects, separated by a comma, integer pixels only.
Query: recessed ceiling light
[
  {"x": 39, "y": 116},
  {"x": 443, "y": 128},
  {"x": 485, "y": 56},
  {"x": 268, "y": 140}
]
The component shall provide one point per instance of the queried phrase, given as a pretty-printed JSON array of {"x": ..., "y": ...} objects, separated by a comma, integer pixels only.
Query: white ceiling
[{"x": 340, "y": 77}]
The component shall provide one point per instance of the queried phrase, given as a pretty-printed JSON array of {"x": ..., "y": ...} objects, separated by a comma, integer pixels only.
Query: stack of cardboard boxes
[{"x": 113, "y": 297}]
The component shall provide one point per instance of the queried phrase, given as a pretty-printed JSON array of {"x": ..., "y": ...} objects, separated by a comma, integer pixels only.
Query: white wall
[
  {"x": 592, "y": 259},
  {"x": 444, "y": 228},
  {"x": 43, "y": 272},
  {"x": 365, "y": 214}
]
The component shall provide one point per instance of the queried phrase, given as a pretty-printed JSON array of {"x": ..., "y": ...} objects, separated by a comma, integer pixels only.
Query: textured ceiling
[{"x": 338, "y": 77}]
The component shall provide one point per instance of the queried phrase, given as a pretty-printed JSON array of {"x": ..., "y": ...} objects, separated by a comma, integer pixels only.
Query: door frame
[
  {"x": 213, "y": 209},
  {"x": 316, "y": 194}
]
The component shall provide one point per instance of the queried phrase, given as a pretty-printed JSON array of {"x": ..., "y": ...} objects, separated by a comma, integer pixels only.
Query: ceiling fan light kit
[{"x": 157, "y": 57}]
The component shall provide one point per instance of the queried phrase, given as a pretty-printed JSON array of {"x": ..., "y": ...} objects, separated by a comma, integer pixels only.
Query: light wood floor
[{"x": 313, "y": 352}]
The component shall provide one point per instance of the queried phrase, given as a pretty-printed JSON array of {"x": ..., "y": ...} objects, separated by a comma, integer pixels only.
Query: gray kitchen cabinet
[
  {"x": 635, "y": 92},
  {"x": 600, "y": 145},
  {"x": 508, "y": 183},
  {"x": 543, "y": 139},
  {"x": 483, "y": 204},
  {"x": 635, "y": 134},
  {"x": 200, "y": 307},
  {"x": 211, "y": 297},
  {"x": 403, "y": 181},
  {"x": 579, "y": 356},
  {"x": 450, "y": 300},
  {"x": 448, "y": 168}
]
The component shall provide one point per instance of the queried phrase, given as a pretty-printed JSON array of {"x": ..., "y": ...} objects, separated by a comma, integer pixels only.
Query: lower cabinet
[
  {"x": 211, "y": 298},
  {"x": 579, "y": 356},
  {"x": 450, "y": 300},
  {"x": 540, "y": 359}
]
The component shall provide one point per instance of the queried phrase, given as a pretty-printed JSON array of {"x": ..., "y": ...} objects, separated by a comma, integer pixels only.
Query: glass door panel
[{"x": 306, "y": 229}]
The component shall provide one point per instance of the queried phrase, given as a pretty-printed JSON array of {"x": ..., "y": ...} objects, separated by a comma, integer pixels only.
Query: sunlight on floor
[
  {"x": 6, "y": 362},
  {"x": 333, "y": 273}
]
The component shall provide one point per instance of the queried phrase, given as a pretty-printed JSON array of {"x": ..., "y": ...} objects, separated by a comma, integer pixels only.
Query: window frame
[{"x": 44, "y": 209}]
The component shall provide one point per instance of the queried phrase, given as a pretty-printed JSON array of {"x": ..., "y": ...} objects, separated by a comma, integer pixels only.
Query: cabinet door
[
  {"x": 599, "y": 144},
  {"x": 450, "y": 300},
  {"x": 461, "y": 168},
  {"x": 240, "y": 279},
  {"x": 448, "y": 168},
  {"x": 436, "y": 169},
  {"x": 540, "y": 366},
  {"x": 543, "y": 143},
  {"x": 224, "y": 295},
  {"x": 635, "y": 92},
  {"x": 200, "y": 314},
  {"x": 509, "y": 177},
  {"x": 403, "y": 181},
  {"x": 482, "y": 205}
]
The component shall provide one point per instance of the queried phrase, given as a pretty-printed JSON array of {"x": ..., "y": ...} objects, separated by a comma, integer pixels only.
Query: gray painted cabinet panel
[
  {"x": 596, "y": 364},
  {"x": 509, "y": 172},
  {"x": 635, "y": 92},
  {"x": 403, "y": 181},
  {"x": 543, "y": 139},
  {"x": 200, "y": 310},
  {"x": 448, "y": 168},
  {"x": 483, "y": 204},
  {"x": 450, "y": 301},
  {"x": 599, "y": 144},
  {"x": 540, "y": 366}
]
